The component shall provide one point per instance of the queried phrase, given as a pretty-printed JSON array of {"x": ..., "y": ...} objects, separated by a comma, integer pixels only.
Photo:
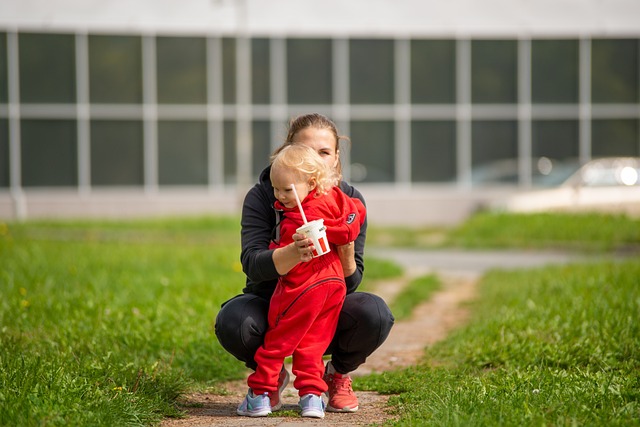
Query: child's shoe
[
  {"x": 312, "y": 406},
  {"x": 255, "y": 406}
]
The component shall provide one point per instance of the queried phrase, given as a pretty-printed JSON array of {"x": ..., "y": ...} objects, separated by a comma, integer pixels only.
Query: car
[{"x": 605, "y": 184}]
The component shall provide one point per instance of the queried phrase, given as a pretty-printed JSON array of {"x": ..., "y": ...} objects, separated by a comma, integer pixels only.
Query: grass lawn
[
  {"x": 106, "y": 323},
  {"x": 554, "y": 346}
]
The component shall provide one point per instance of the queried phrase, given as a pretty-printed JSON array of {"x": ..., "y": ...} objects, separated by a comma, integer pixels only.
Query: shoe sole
[
  {"x": 345, "y": 409},
  {"x": 312, "y": 414},
  {"x": 261, "y": 413}
]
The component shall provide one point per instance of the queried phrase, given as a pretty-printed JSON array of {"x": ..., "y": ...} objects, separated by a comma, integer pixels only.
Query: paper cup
[{"x": 317, "y": 232}]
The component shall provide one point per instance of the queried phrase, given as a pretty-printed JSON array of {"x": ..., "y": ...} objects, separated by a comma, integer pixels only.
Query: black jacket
[{"x": 260, "y": 225}]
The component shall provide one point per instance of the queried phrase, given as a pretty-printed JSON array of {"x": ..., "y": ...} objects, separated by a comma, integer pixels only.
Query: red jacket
[{"x": 342, "y": 217}]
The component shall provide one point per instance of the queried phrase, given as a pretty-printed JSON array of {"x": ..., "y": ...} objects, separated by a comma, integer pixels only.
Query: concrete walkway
[{"x": 474, "y": 263}]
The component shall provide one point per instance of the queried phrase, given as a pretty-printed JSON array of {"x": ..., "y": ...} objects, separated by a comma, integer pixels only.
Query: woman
[{"x": 365, "y": 320}]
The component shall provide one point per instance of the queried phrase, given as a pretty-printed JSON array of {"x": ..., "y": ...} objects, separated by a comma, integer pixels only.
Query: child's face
[{"x": 282, "y": 178}]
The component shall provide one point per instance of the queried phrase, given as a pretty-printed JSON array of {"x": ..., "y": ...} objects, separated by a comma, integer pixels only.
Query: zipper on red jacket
[{"x": 287, "y": 308}]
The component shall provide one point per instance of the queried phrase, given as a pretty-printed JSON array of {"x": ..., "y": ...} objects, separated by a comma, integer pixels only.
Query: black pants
[{"x": 364, "y": 324}]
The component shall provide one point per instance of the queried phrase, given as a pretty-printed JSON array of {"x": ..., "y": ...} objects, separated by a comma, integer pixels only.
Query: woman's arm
[{"x": 353, "y": 280}]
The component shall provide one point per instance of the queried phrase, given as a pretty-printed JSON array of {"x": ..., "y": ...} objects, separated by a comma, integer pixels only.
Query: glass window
[
  {"x": 230, "y": 155},
  {"x": 182, "y": 70},
  {"x": 556, "y": 139},
  {"x": 4, "y": 153},
  {"x": 614, "y": 137},
  {"x": 614, "y": 71},
  {"x": 47, "y": 68},
  {"x": 261, "y": 71},
  {"x": 182, "y": 153},
  {"x": 261, "y": 146},
  {"x": 554, "y": 71},
  {"x": 49, "y": 153},
  {"x": 115, "y": 69},
  {"x": 494, "y": 152},
  {"x": 554, "y": 150},
  {"x": 433, "y": 71},
  {"x": 372, "y": 151},
  {"x": 494, "y": 71},
  {"x": 433, "y": 151},
  {"x": 309, "y": 71},
  {"x": 371, "y": 71},
  {"x": 4, "y": 82},
  {"x": 117, "y": 153},
  {"x": 229, "y": 71}
]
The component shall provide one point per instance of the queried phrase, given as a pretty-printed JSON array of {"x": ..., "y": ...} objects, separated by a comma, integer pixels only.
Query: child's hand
[
  {"x": 304, "y": 247},
  {"x": 347, "y": 258}
]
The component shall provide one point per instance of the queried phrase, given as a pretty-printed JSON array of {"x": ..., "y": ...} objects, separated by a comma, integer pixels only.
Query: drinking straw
[{"x": 295, "y": 193}]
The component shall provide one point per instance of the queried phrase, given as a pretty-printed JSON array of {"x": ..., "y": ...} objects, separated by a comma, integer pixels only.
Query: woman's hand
[
  {"x": 347, "y": 258},
  {"x": 289, "y": 256}
]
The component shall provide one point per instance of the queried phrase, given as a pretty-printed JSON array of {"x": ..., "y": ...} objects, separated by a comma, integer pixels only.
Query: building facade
[{"x": 173, "y": 107}]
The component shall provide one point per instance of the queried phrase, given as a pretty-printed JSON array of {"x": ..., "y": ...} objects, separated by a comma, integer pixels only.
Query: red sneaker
[
  {"x": 341, "y": 395},
  {"x": 276, "y": 399}
]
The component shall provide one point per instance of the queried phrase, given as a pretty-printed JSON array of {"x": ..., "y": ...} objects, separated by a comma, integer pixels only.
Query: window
[
  {"x": 309, "y": 71},
  {"x": 433, "y": 151},
  {"x": 228, "y": 71},
  {"x": 371, "y": 71},
  {"x": 182, "y": 153},
  {"x": 115, "y": 69},
  {"x": 433, "y": 72},
  {"x": 614, "y": 137},
  {"x": 261, "y": 71},
  {"x": 261, "y": 146},
  {"x": 554, "y": 71},
  {"x": 116, "y": 153},
  {"x": 372, "y": 151},
  {"x": 182, "y": 70},
  {"x": 554, "y": 151},
  {"x": 555, "y": 139},
  {"x": 614, "y": 71},
  {"x": 47, "y": 68},
  {"x": 494, "y": 71},
  {"x": 49, "y": 153},
  {"x": 494, "y": 152},
  {"x": 4, "y": 153},
  {"x": 4, "y": 85},
  {"x": 230, "y": 154}
]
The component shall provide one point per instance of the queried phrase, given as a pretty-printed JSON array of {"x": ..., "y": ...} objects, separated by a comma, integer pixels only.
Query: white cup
[{"x": 317, "y": 232}]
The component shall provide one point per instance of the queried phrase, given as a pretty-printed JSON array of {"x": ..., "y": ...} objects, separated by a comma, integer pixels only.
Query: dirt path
[{"x": 429, "y": 323}]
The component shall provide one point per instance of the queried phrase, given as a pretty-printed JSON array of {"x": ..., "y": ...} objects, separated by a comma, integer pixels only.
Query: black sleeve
[
  {"x": 355, "y": 279},
  {"x": 258, "y": 221}
]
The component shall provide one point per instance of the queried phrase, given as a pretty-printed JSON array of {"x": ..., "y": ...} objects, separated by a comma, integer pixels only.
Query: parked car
[{"x": 605, "y": 184}]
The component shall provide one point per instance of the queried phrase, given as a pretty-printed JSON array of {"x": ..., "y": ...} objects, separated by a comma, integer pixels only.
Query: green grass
[
  {"x": 581, "y": 232},
  {"x": 108, "y": 322},
  {"x": 416, "y": 291},
  {"x": 555, "y": 346}
]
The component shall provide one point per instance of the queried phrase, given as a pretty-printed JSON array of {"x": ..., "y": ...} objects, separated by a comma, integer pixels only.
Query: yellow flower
[{"x": 24, "y": 303}]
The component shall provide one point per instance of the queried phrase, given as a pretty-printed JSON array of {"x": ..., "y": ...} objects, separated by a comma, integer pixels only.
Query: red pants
[{"x": 302, "y": 323}]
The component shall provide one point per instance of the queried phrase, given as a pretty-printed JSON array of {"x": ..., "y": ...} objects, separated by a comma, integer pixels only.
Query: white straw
[{"x": 295, "y": 193}]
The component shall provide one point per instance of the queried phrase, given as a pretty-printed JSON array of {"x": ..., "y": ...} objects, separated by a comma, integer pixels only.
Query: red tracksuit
[{"x": 305, "y": 306}]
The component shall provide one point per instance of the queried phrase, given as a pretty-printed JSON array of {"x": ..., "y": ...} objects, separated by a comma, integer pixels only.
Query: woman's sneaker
[
  {"x": 255, "y": 406},
  {"x": 276, "y": 399},
  {"x": 312, "y": 406},
  {"x": 341, "y": 395}
]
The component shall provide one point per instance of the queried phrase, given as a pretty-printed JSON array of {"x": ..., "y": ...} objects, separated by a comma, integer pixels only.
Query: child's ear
[{"x": 312, "y": 184}]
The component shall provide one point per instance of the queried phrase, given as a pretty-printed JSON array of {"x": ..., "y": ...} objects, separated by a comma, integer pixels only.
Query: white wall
[{"x": 386, "y": 18}]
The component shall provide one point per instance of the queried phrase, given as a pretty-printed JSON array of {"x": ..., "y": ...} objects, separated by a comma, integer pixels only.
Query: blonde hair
[{"x": 306, "y": 164}]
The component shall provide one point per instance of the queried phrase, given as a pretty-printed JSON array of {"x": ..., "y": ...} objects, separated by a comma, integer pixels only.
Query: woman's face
[{"x": 322, "y": 141}]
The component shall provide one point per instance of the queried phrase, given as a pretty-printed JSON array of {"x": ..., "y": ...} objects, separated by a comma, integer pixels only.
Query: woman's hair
[
  {"x": 316, "y": 121},
  {"x": 306, "y": 164}
]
